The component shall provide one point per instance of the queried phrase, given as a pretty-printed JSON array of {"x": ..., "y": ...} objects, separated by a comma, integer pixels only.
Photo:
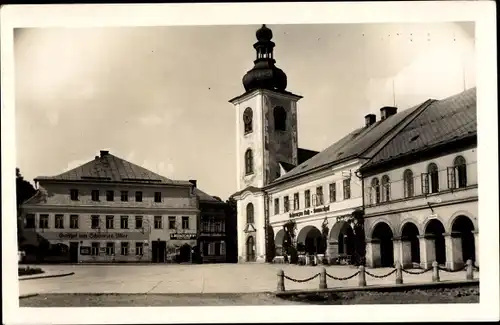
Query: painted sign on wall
[
  {"x": 183, "y": 236},
  {"x": 309, "y": 212},
  {"x": 130, "y": 235}
]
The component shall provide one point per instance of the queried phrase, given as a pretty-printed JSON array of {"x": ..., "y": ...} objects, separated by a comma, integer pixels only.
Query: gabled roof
[
  {"x": 443, "y": 121},
  {"x": 286, "y": 166},
  {"x": 353, "y": 145},
  {"x": 305, "y": 154},
  {"x": 109, "y": 168}
]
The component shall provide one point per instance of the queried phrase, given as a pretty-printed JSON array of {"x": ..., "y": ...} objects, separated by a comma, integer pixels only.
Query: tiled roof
[
  {"x": 443, "y": 121},
  {"x": 109, "y": 168},
  {"x": 205, "y": 197},
  {"x": 351, "y": 146}
]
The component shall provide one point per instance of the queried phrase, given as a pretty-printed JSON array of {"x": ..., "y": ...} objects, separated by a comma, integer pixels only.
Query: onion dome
[{"x": 264, "y": 74}]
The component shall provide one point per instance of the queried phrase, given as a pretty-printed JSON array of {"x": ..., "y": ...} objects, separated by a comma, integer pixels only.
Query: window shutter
[
  {"x": 425, "y": 183},
  {"x": 451, "y": 177}
]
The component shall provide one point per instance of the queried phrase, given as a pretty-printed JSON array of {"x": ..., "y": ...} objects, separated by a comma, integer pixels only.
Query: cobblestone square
[{"x": 208, "y": 278}]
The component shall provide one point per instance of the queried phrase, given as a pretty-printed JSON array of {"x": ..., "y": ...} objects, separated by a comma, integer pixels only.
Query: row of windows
[
  {"x": 213, "y": 226},
  {"x": 317, "y": 199},
  {"x": 279, "y": 114},
  {"x": 110, "y": 196},
  {"x": 213, "y": 248},
  {"x": 456, "y": 174},
  {"x": 110, "y": 222},
  {"x": 110, "y": 248}
]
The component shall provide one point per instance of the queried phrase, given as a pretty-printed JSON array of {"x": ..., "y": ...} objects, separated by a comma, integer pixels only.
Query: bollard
[
  {"x": 322, "y": 278},
  {"x": 435, "y": 272},
  {"x": 281, "y": 280},
  {"x": 362, "y": 276},
  {"x": 399, "y": 273},
  {"x": 470, "y": 271}
]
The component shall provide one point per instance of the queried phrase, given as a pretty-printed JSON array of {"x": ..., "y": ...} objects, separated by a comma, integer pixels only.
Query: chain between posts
[
  {"x": 418, "y": 272},
  {"x": 301, "y": 281},
  {"x": 452, "y": 271},
  {"x": 381, "y": 276},
  {"x": 342, "y": 279}
]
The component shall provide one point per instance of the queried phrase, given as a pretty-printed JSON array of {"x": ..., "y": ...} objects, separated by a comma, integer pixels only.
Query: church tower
[{"x": 266, "y": 135}]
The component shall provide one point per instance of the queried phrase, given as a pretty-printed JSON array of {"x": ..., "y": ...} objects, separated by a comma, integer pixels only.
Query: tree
[
  {"x": 24, "y": 189},
  {"x": 231, "y": 213},
  {"x": 359, "y": 236},
  {"x": 288, "y": 242}
]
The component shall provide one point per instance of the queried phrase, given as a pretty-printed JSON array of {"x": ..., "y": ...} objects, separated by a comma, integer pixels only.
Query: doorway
[
  {"x": 250, "y": 249},
  {"x": 73, "y": 252},
  {"x": 158, "y": 248},
  {"x": 185, "y": 254}
]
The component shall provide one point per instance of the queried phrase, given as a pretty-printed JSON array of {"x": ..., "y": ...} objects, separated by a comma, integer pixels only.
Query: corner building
[
  {"x": 421, "y": 189},
  {"x": 278, "y": 182},
  {"x": 110, "y": 210}
]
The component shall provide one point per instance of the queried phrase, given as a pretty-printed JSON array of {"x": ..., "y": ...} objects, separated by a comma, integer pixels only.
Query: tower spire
[{"x": 265, "y": 74}]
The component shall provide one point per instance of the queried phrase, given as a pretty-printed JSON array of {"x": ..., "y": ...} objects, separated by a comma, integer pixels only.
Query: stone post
[
  {"x": 453, "y": 243},
  {"x": 373, "y": 253},
  {"x": 427, "y": 251},
  {"x": 476, "y": 244},
  {"x": 406, "y": 258},
  {"x": 470, "y": 272},
  {"x": 435, "y": 272},
  {"x": 322, "y": 278},
  {"x": 362, "y": 276},
  {"x": 281, "y": 280},
  {"x": 399, "y": 273},
  {"x": 397, "y": 251}
]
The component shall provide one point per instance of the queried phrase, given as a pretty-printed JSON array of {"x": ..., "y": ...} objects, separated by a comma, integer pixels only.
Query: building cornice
[
  {"x": 105, "y": 209},
  {"x": 250, "y": 94},
  {"x": 418, "y": 207},
  {"x": 109, "y": 183}
]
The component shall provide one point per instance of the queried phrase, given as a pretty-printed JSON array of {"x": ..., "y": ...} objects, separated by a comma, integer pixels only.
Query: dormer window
[{"x": 248, "y": 120}]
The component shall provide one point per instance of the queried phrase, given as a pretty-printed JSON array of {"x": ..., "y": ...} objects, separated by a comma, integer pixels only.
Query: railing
[{"x": 469, "y": 267}]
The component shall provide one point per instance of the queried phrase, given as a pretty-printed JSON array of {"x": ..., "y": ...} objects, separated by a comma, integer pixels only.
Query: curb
[
  {"x": 28, "y": 295},
  {"x": 46, "y": 276},
  {"x": 382, "y": 288}
]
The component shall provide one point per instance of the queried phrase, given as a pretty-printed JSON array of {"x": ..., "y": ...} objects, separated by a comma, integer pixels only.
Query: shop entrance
[
  {"x": 73, "y": 252},
  {"x": 159, "y": 249},
  {"x": 185, "y": 254}
]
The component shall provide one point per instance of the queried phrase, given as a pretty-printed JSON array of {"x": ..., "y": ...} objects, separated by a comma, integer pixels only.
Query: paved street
[{"x": 208, "y": 278}]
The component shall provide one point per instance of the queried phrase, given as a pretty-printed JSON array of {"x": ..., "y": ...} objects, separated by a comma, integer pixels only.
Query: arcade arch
[
  {"x": 383, "y": 234},
  {"x": 311, "y": 238}
]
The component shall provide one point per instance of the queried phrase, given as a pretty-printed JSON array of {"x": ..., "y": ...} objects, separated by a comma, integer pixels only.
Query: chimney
[
  {"x": 193, "y": 181},
  {"x": 370, "y": 119},
  {"x": 104, "y": 153},
  {"x": 387, "y": 111}
]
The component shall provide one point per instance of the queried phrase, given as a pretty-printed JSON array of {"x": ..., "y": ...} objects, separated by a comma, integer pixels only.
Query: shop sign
[
  {"x": 84, "y": 250},
  {"x": 183, "y": 236},
  {"x": 309, "y": 212},
  {"x": 94, "y": 235}
]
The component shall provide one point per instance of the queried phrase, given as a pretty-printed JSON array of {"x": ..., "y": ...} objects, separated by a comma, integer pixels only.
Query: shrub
[{"x": 28, "y": 271}]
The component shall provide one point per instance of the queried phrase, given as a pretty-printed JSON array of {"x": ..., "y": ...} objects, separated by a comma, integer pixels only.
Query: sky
[{"x": 158, "y": 96}]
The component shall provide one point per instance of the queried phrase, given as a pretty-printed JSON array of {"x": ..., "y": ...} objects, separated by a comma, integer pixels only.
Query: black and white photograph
[{"x": 266, "y": 161}]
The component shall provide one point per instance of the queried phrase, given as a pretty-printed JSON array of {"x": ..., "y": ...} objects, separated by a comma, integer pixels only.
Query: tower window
[
  {"x": 248, "y": 162},
  {"x": 279, "y": 118},
  {"x": 250, "y": 218},
  {"x": 248, "y": 120}
]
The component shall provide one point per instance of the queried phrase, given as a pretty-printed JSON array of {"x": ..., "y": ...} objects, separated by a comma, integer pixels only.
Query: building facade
[
  {"x": 421, "y": 190},
  {"x": 110, "y": 210},
  {"x": 216, "y": 229},
  {"x": 278, "y": 183}
]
